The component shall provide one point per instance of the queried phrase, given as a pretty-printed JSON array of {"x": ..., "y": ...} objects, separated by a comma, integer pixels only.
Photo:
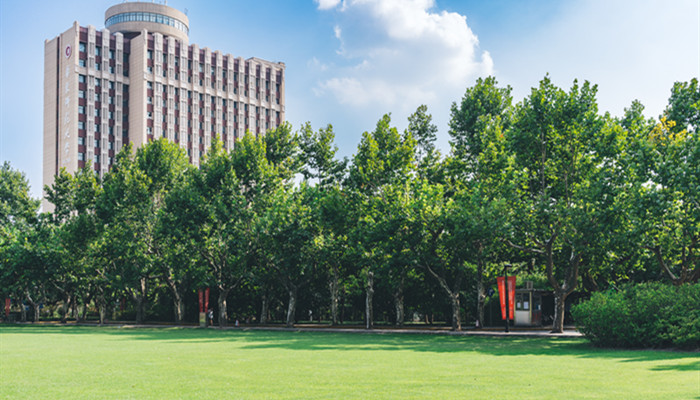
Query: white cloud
[
  {"x": 398, "y": 54},
  {"x": 327, "y": 4}
]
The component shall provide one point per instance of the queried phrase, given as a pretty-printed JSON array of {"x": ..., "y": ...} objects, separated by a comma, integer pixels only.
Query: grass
[{"x": 75, "y": 362}]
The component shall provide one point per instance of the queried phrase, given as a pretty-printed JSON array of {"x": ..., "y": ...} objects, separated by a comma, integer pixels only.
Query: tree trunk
[
  {"x": 335, "y": 295},
  {"x": 369, "y": 309},
  {"x": 263, "y": 311},
  {"x": 480, "y": 297},
  {"x": 292, "y": 306},
  {"x": 178, "y": 301},
  {"x": 559, "y": 310},
  {"x": 179, "y": 305},
  {"x": 140, "y": 300},
  {"x": 103, "y": 310},
  {"x": 398, "y": 303},
  {"x": 223, "y": 312},
  {"x": 85, "y": 310},
  {"x": 74, "y": 311},
  {"x": 36, "y": 312},
  {"x": 67, "y": 301},
  {"x": 34, "y": 305},
  {"x": 23, "y": 311},
  {"x": 456, "y": 323}
]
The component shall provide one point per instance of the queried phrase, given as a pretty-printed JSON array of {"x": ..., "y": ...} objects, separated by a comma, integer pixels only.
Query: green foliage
[
  {"x": 422, "y": 129},
  {"x": 642, "y": 315},
  {"x": 480, "y": 103},
  {"x": 15, "y": 201},
  {"x": 684, "y": 105}
]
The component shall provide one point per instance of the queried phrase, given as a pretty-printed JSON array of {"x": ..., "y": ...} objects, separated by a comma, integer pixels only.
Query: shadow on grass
[{"x": 320, "y": 341}]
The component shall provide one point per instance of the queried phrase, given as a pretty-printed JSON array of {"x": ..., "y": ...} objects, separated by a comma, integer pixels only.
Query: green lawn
[{"x": 69, "y": 362}]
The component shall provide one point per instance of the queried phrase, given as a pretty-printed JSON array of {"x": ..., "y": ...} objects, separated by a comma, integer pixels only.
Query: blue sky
[{"x": 349, "y": 62}]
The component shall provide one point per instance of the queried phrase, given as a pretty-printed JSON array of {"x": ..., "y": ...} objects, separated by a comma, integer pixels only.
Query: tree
[
  {"x": 18, "y": 215},
  {"x": 160, "y": 166},
  {"x": 291, "y": 247},
  {"x": 209, "y": 213},
  {"x": 566, "y": 202},
  {"x": 329, "y": 210},
  {"x": 383, "y": 157},
  {"x": 665, "y": 168},
  {"x": 76, "y": 228},
  {"x": 121, "y": 211}
]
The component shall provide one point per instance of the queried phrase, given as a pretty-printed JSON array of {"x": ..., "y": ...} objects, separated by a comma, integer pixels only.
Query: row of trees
[{"x": 549, "y": 184}]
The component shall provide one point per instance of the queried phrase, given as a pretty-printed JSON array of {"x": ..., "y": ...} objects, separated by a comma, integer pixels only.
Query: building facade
[{"x": 139, "y": 79}]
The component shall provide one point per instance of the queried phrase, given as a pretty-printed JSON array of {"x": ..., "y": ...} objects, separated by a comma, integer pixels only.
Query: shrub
[{"x": 642, "y": 315}]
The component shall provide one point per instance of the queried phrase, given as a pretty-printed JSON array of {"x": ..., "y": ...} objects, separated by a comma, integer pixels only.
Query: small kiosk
[{"x": 528, "y": 306}]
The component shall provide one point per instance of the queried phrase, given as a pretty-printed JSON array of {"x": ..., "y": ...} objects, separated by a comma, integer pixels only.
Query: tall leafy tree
[
  {"x": 666, "y": 208},
  {"x": 18, "y": 212},
  {"x": 384, "y": 157},
  {"x": 565, "y": 204},
  {"x": 161, "y": 166},
  {"x": 329, "y": 213}
]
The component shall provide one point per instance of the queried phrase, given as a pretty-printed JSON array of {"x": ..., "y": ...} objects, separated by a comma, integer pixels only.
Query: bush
[{"x": 642, "y": 315}]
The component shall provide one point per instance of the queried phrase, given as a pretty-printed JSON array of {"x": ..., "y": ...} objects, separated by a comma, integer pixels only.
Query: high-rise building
[{"x": 139, "y": 79}]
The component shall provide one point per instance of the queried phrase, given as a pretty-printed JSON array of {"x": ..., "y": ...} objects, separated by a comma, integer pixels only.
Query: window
[
  {"x": 522, "y": 301},
  {"x": 81, "y": 140},
  {"x": 97, "y": 128},
  {"x": 81, "y": 47},
  {"x": 81, "y": 156},
  {"x": 81, "y": 110},
  {"x": 97, "y": 66},
  {"x": 81, "y": 62},
  {"x": 97, "y": 158},
  {"x": 97, "y": 114},
  {"x": 98, "y": 82},
  {"x": 149, "y": 100},
  {"x": 98, "y": 51},
  {"x": 81, "y": 125},
  {"x": 81, "y": 78},
  {"x": 111, "y": 147},
  {"x": 111, "y": 54},
  {"x": 81, "y": 94},
  {"x": 97, "y": 97},
  {"x": 149, "y": 85},
  {"x": 149, "y": 70},
  {"x": 111, "y": 85},
  {"x": 97, "y": 143},
  {"x": 149, "y": 55}
]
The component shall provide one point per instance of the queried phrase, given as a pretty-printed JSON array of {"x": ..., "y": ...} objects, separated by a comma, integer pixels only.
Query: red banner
[
  {"x": 206, "y": 299},
  {"x": 7, "y": 307},
  {"x": 511, "y": 296},
  {"x": 201, "y": 300}
]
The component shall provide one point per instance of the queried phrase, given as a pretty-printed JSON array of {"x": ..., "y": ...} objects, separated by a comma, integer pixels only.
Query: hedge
[{"x": 642, "y": 315}]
